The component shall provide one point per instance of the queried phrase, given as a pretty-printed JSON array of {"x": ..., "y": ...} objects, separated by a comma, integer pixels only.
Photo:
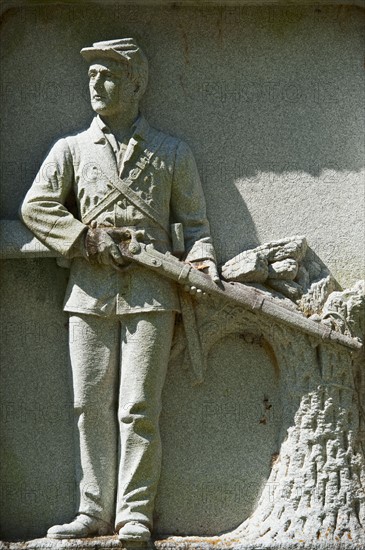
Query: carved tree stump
[{"x": 316, "y": 489}]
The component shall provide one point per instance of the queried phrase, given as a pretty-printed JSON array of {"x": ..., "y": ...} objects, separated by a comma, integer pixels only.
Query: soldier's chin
[{"x": 99, "y": 106}]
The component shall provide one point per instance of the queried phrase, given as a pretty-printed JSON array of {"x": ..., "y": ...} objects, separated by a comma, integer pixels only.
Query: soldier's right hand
[{"x": 100, "y": 248}]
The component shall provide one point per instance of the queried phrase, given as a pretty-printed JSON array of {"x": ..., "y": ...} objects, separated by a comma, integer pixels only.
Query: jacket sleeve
[
  {"x": 43, "y": 210},
  {"x": 188, "y": 206}
]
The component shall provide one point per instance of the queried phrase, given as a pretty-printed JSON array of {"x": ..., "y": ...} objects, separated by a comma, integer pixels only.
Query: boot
[
  {"x": 134, "y": 530},
  {"x": 82, "y": 526}
]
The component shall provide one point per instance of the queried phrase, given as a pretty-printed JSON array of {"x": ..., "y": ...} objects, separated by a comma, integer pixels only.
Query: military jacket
[{"x": 161, "y": 170}]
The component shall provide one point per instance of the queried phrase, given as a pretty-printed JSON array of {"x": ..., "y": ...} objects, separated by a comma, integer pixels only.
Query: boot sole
[
  {"x": 95, "y": 534},
  {"x": 126, "y": 538}
]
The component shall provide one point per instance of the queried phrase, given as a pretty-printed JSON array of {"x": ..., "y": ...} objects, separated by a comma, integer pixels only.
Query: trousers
[{"x": 119, "y": 366}]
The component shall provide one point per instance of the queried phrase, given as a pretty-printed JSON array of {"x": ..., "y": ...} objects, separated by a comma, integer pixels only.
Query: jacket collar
[
  {"x": 107, "y": 157},
  {"x": 140, "y": 127}
]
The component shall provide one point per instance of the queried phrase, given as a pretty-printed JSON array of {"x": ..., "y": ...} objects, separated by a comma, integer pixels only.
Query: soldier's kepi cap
[{"x": 122, "y": 50}]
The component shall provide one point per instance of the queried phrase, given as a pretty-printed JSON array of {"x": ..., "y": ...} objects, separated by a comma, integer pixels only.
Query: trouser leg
[
  {"x": 94, "y": 352},
  {"x": 146, "y": 343}
]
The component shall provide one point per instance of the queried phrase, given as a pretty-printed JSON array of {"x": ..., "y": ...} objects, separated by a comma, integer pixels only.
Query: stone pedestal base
[{"x": 171, "y": 543}]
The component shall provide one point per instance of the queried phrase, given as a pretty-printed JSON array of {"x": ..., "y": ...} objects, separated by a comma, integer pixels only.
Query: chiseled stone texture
[
  {"x": 283, "y": 269},
  {"x": 269, "y": 100},
  {"x": 345, "y": 311},
  {"x": 289, "y": 268},
  {"x": 249, "y": 266},
  {"x": 171, "y": 543}
]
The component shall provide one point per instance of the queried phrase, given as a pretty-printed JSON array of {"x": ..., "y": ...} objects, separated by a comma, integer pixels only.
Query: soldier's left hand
[
  {"x": 211, "y": 270},
  {"x": 207, "y": 266}
]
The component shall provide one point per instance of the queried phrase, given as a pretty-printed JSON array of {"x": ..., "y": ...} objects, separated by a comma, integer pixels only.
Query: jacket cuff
[
  {"x": 78, "y": 249},
  {"x": 201, "y": 251}
]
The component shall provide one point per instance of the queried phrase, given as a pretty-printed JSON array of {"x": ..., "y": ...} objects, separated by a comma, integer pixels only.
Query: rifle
[{"x": 135, "y": 250}]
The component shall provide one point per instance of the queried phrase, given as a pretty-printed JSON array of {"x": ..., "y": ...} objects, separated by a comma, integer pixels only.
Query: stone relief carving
[
  {"x": 123, "y": 174},
  {"x": 315, "y": 492},
  {"x": 344, "y": 311},
  {"x": 287, "y": 266},
  {"x": 123, "y": 294}
]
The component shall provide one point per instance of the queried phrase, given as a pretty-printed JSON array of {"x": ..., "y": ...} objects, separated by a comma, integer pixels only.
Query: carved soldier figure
[{"x": 124, "y": 173}]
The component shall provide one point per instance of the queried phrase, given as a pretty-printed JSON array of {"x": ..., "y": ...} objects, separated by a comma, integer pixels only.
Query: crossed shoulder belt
[{"x": 122, "y": 187}]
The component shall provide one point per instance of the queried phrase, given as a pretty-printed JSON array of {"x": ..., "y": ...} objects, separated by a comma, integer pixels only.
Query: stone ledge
[
  {"x": 173, "y": 543},
  {"x": 16, "y": 241}
]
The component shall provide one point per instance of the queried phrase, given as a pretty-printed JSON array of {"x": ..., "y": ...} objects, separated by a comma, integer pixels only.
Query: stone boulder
[{"x": 248, "y": 267}]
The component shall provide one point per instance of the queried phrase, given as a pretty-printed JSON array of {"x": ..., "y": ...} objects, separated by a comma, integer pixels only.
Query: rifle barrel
[{"x": 247, "y": 297}]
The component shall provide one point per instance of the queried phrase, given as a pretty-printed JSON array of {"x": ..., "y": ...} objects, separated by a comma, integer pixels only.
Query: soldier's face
[{"x": 111, "y": 91}]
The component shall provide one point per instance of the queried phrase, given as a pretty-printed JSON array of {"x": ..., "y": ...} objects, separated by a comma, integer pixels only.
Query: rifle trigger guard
[{"x": 135, "y": 236}]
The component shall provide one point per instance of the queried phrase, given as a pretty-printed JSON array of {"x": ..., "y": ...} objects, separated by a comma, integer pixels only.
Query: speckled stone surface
[
  {"x": 173, "y": 543},
  {"x": 270, "y": 100}
]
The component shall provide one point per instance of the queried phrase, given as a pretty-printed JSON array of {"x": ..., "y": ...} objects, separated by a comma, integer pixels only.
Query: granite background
[{"x": 271, "y": 102}]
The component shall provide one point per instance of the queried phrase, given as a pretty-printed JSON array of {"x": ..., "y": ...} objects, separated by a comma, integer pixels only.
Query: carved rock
[
  {"x": 288, "y": 267},
  {"x": 302, "y": 277},
  {"x": 290, "y": 247},
  {"x": 313, "y": 300},
  {"x": 345, "y": 311},
  {"x": 249, "y": 266},
  {"x": 277, "y": 259},
  {"x": 284, "y": 269},
  {"x": 314, "y": 269},
  {"x": 290, "y": 289}
]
